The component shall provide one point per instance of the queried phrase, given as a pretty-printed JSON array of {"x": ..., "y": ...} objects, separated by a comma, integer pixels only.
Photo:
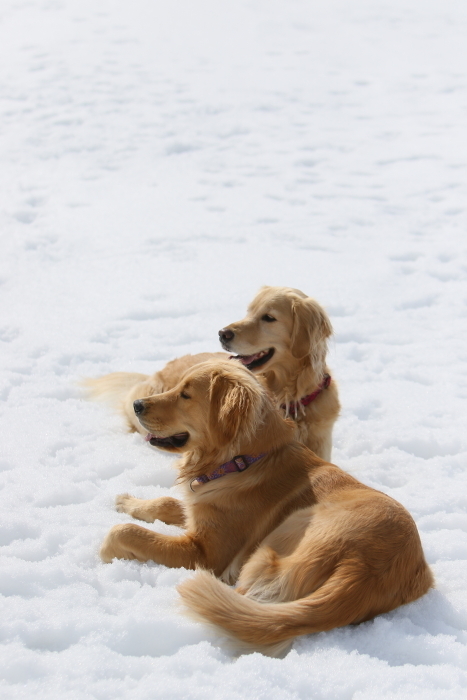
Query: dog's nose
[
  {"x": 138, "y": 406},
  {"x": 225, "y": 334}
]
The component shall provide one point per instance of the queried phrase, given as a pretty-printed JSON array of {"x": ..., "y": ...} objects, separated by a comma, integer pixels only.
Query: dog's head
[
  {"x": 281, "y": 325},
  {"x": 214, "y": 404}
]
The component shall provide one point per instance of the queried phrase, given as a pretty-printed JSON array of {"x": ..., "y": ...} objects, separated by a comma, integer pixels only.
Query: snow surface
[{"x": 160, "y": 162}]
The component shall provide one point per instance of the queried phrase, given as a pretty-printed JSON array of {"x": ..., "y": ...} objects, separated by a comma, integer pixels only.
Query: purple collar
[
  {"x": 237, "y": 464},
  {"x": 307, "y": 399}
]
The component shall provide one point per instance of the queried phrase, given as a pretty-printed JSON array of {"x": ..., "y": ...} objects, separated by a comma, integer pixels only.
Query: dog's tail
[
  {"x": 120, "y": 389},
  {"x": 346, "y": 597},
  {"x": 112, "y": 388}
]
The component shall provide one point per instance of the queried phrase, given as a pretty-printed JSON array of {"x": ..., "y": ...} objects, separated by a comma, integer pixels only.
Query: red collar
[
  {"x": 307, "y": 399},
  {"x": 237, "y": 464}
]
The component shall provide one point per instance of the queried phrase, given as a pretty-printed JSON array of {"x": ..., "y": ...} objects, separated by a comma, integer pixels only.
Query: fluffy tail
[
  {"x": 120, "y": 389},
  {"x": 271, "y": 627}
]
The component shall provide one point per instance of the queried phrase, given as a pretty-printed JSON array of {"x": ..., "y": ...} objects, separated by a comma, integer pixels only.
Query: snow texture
[{"x": 160, "y": 162}]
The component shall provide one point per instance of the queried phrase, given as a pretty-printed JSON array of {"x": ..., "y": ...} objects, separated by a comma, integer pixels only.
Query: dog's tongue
[
  {"x": 148, "y": 437},
  {"x": 245, "y": 359}
]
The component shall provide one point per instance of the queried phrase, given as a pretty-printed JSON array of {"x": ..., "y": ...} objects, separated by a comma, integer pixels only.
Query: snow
[{"x": 160, "y": 162}]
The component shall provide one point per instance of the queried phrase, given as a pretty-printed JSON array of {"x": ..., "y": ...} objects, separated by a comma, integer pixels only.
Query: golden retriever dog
[
  {"x": 283, "y": 339},
  {"x": 310, "y": 547}
]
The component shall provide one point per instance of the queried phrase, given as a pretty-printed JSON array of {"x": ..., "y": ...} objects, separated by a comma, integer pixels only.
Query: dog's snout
[
  {"x": 225, "y": 334},
  {"x": 138, "y": 406}
]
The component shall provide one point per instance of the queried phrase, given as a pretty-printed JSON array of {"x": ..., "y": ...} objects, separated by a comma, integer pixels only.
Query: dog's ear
[
  {"x": 310, "y": 326},
  {"x": 233, "y": 407}
]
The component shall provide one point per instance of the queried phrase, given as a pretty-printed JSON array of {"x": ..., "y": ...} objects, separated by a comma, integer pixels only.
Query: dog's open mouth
[
  {"x": 254, "y": 361},
  {"x": 178, "y": 440}
]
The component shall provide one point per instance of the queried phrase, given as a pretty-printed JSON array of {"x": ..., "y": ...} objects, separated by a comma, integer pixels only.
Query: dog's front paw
[
  {"x": 113, "y": 546},
  {"x": 138, "y": 508},
  {"x": 129, "y": 541},
  {"x": 124, "y": 503}
]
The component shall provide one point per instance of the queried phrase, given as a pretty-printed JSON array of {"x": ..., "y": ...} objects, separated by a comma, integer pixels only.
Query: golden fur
[
  {"x": 311, "y": 548},
  {"x": 298, "y": 336}
]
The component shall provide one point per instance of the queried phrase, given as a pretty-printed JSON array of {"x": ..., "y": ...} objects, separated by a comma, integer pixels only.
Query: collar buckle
[{"x": 240, "y": 462}]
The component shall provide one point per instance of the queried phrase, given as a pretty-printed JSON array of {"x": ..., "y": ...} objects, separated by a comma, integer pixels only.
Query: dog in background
[
  {"x": 311, "y": 548},
  {"x": 283, "y": 339}
]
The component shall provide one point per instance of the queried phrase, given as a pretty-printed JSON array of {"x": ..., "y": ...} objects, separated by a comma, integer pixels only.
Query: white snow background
[{"x": 160, "y": 161}]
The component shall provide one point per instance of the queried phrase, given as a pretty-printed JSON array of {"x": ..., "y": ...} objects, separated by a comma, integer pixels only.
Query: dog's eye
[
  {"x": 268, "y": 318},
  {"x": 184, "y": 395}
]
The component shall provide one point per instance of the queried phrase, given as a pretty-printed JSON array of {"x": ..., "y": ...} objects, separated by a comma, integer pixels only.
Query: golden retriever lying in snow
[
  {"x": 283, "y": 338},
  {"x": 311, "y": 546}
]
